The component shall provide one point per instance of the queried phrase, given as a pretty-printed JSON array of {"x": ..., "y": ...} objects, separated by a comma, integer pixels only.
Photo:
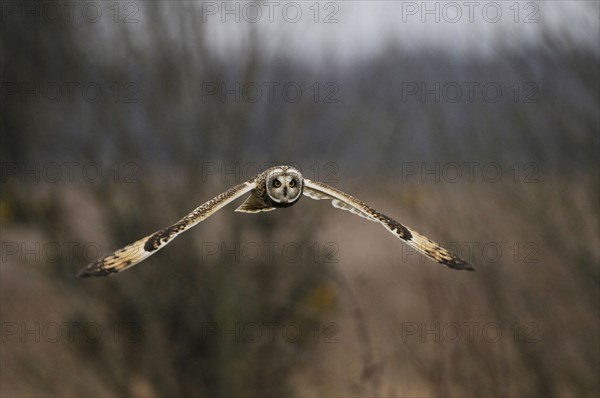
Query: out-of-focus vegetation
[{"x": 185, "y": 316}]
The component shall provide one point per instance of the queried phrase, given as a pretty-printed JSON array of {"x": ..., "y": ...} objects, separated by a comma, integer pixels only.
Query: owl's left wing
[
  {"x": 138, "y": 251},
  {"x": 319, "y": 191}
]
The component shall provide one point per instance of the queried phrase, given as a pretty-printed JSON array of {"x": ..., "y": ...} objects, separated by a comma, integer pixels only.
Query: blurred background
[{"x": 473, "y": 123}]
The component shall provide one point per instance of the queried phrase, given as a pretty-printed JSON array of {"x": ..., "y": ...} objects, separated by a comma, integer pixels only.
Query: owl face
[{"x": 284, "y": 186}]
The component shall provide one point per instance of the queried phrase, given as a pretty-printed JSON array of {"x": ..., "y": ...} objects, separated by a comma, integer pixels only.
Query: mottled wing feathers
[
  {"x": 145, "y": 247},
  {"x": 436, "y": 252},
  {"x": 318, "y": 195},
  {"x": 317, "y": 190},
  {"x": 119, "y": 260},
  {"x": 338, "y": 204},
  {"x": 314, "y": 194}
]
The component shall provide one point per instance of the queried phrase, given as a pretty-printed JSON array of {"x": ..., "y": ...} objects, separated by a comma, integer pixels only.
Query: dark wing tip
[
  {"x": 458, "y": 264},
  {"x": 84, "y": 273},
  {"x": 95, "y": 269}
]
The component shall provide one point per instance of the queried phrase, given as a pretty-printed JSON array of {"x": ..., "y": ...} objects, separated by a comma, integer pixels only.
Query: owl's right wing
[
  {"x": 319, "y": 191},
  {"x": 138, "y": 251}
]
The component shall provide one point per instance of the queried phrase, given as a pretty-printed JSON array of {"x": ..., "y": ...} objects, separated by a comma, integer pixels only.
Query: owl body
[{"x": 277, "y": 187}]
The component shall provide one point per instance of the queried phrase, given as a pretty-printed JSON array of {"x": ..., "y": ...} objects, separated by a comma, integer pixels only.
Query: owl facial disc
[{"x": 284, "y": 185}]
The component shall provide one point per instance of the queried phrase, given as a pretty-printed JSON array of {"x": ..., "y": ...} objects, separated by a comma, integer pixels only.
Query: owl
[{"x": 277, "y": 187}]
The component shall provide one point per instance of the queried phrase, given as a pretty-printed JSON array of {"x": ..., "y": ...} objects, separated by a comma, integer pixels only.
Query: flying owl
[{"x": 280, "y": 186}]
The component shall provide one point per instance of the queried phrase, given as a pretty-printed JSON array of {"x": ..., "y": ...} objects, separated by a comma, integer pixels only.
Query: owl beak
[{"x": 285, "y": 191}]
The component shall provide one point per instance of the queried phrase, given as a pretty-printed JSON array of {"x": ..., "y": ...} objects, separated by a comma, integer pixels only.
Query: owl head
[{"x": 284, "y": 185}]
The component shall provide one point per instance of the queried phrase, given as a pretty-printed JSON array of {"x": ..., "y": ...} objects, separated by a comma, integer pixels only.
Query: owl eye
[
  {"x": 292, "y": 184},
  {"x": 277, "y": 183}
]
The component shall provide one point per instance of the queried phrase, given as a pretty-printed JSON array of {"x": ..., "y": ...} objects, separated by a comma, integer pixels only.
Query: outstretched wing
[
  {"x": 319, "y": 191},
  {"x": 138, "y": 251}
]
